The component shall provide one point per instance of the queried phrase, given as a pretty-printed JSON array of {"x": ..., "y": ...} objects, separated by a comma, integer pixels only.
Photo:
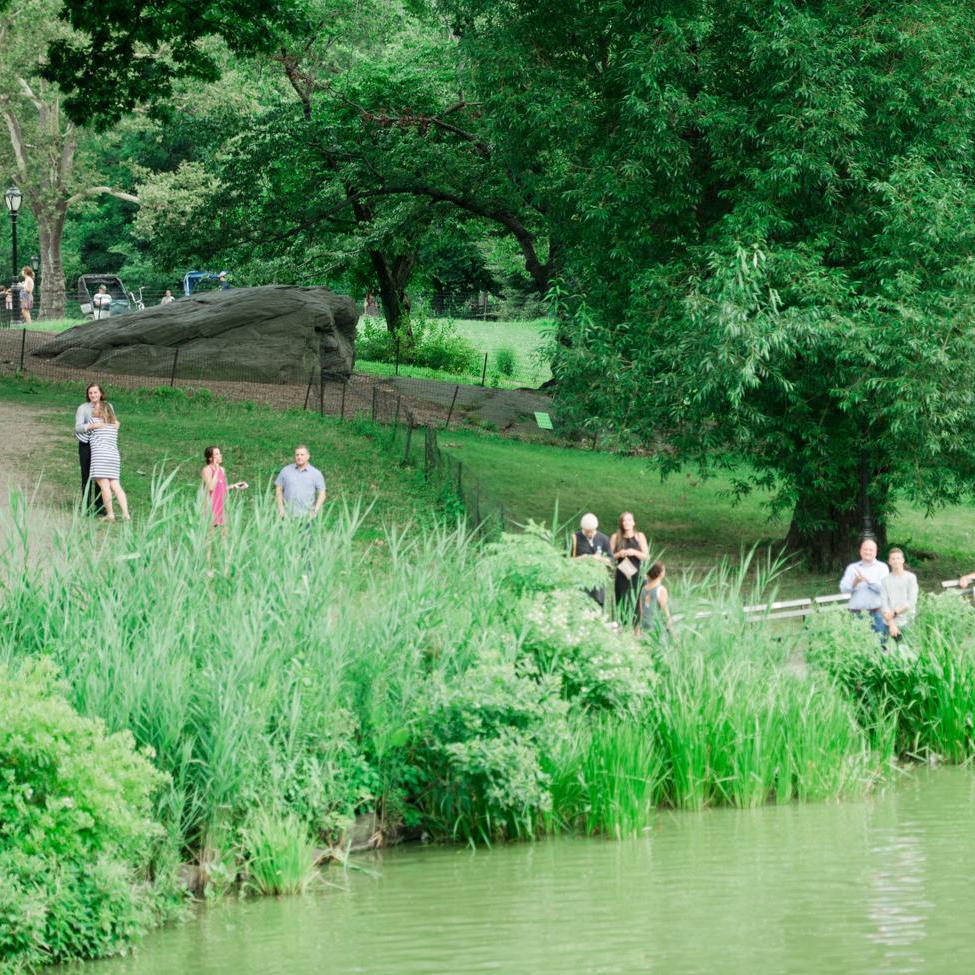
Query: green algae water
[{"x": 885, "y": 885}]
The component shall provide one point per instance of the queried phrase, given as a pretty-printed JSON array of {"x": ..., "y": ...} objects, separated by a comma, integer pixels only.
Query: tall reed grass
[{"x": 455, "y": 688}]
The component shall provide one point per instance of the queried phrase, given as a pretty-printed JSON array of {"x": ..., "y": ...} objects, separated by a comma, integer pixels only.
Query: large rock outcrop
[{"x": 274, "y": 333}]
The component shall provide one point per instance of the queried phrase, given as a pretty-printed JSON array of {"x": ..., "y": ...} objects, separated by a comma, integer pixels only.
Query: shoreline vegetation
[
  {"x": 274, "y": 688},
  {"x": 244, "y": 702}
]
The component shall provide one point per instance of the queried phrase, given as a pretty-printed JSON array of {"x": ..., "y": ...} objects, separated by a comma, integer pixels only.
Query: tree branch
[{"x": 96, "y": 190}]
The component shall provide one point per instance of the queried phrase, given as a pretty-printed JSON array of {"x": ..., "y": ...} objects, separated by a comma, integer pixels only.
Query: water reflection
[{"x": 872, "y": 887}]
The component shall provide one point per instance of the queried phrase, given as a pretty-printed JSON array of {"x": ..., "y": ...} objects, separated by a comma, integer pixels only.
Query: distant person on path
[
  {"x": 300, "y": 488},
  {"x": 102, "y": 303},
  {"x": 90, "y": 498},
  {"x": 862, "y": 581},
  {"x": 27, "y": 294},
  {"x": 106, "y": 465},
  {"x": 592, "y": 543},
  {"x": 222, "y": 281},
  {"x": 629, "y": 549},
  {"x": 898, "y": 595},
  {"x": 371, "y": 306},
  {"x": 653, "y": 604},
  {"x": 215, "y": 484},
  {"x": 5, "y": 308},
  {"x": 167, "y": 298}
]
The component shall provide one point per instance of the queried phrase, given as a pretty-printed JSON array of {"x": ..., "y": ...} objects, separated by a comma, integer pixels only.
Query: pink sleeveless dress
[{"x": 219, "y": 496}]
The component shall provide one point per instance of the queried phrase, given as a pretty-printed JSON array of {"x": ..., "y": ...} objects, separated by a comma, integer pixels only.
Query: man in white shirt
[{"x": 862, "y": 581}]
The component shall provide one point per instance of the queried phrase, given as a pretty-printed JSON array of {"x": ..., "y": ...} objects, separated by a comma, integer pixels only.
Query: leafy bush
[
  {"x": 505, "y": 360},
  {"x": 435, "y": 345},
  {"x": 529, "y": 562},
  {"x": 483, "y": 745},
  {"x": 76, "y": 836},
  {"x": 599, "y": 667}
]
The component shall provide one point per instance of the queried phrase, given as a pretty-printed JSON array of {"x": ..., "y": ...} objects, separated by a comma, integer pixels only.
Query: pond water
[{"x": 879, "y": 886}]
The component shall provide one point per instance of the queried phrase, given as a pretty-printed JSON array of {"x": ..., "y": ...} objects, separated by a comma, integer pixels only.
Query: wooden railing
[{"x": 798, "y": 608}]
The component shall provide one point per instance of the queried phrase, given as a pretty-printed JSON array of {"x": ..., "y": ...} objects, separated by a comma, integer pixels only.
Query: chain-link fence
[{"x": 416, "y": 443}]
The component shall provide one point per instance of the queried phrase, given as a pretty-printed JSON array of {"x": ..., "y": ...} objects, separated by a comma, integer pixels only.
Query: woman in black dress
[{"x": 630, "y": 549}]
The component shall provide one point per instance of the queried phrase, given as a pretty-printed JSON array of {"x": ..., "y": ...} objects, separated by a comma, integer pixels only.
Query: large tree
[
  {"x": 765, "y": 213},
  {"x": 52, "y": 159}
]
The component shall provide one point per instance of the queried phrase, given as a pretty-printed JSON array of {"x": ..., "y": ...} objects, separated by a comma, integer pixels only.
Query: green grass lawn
[
  {"x": 692, "y": 522},
  {"x": 166, "y": 429},
  {"x": 523, "y": 338}
]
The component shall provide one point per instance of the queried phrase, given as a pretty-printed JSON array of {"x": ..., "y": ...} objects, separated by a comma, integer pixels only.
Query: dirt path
[
  {"x": 26, "y": 470},
  {"x": 27, "y": 441}
]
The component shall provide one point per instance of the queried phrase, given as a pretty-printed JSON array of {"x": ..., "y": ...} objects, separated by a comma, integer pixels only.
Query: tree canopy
[{"x": 752, "y": 215}]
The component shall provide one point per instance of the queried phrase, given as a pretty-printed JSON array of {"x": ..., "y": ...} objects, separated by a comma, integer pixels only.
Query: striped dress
[{"x": 105, "y": 460}]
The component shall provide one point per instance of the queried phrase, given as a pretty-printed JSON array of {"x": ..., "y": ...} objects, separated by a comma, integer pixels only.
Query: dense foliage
[{"x": 77, "y": 837}]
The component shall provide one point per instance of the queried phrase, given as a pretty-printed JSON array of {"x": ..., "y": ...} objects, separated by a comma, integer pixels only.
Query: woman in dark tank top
[{"x": 629, "y": 546}]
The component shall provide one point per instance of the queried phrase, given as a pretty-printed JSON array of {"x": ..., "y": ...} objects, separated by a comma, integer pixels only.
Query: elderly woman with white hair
[{"x": 590, "y": 542}]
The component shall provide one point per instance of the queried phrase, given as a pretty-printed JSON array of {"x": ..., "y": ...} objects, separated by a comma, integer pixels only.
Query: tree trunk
[
  {"x": 393, "y": 277},
  {"x": 827, "y": 534},
  {"x": 50, "y": 230}
]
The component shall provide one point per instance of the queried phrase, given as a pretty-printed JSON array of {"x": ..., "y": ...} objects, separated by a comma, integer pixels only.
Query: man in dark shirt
[{"x": 590, "y": 541}]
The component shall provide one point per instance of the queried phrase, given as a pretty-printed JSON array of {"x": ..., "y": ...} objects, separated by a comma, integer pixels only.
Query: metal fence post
[
  {"x": 172, "y": 377},
  {"x": 321, "y": 393},
  {"x": 397, "y": 353},
  {"x": 409, "y": 439},
  {"x": 345, "y": 386},
  {"x": 451, "y": 411},
  {"x": 311, "y": 379},
  {"x": 375, "y": 391},
  {"x": 429, "y": 443},
  {"x": 484, "y": 370},
  {"x": 23, "y": 348}
]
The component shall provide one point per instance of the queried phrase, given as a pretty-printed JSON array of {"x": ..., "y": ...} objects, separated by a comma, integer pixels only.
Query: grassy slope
[
  {"x": 692, "y": 522},
  {"x": 172, "y": 431}
]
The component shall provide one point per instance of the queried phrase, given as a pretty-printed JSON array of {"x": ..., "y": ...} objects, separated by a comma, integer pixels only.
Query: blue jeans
[{"x": 877, "y": 623}]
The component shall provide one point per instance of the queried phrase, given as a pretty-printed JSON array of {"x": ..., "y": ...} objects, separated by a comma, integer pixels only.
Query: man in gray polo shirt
[{"x": 300, "y": 488}]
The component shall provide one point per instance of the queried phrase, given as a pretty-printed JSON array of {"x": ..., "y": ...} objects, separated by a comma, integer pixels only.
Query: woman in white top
[
  {"x": 27, "y": 294},
  {"x": 898, "y": 595}
]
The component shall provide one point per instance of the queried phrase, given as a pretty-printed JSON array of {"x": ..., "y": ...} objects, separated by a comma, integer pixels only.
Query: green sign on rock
[{"x": 544, "y": 421}]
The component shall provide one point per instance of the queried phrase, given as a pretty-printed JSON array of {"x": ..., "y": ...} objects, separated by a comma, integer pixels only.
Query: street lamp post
[
  {"x": 35, "y": 263},
  {"x": 867, "y": 527},
  {"x": 13, "y": 198}
]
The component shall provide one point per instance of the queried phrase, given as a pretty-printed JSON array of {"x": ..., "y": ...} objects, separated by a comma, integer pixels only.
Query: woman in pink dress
[{"x": 215, "y": 483}]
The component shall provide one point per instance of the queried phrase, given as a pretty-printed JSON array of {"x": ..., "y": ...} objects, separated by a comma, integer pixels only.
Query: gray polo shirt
[{"x": 300, "y": 488}]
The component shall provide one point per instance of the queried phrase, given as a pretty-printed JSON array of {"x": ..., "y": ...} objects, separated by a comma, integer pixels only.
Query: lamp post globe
[{"x": 13, "y": 198}]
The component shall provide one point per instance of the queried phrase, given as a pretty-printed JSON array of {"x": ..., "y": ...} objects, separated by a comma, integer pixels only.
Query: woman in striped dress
[{"x": 106, "y": 465}]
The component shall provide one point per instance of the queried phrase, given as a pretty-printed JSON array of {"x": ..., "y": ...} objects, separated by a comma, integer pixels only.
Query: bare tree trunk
[
  {"x": 826, "y": 534},
  {"x": 53, "y": 302}
]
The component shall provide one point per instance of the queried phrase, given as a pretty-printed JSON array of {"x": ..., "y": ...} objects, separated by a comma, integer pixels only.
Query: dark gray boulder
[{"x": 275, "y": 333}]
